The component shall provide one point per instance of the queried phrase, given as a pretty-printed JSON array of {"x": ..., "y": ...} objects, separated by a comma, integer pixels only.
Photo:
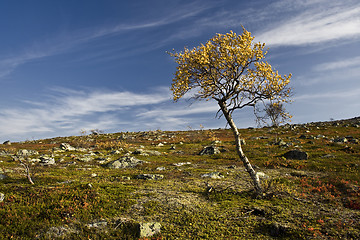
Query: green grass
[{"x": 316, "y": 198}]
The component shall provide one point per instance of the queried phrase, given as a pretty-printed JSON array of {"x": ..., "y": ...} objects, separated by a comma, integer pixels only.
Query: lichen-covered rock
[
  {"x": 85, "y": 158},
  {"x": 2, "y": 197},
  {"x": 150, "y": 176},
  {"x": 98, "y": 224},
  {"x": 44, "y": 160},
  {"x": 2, "y": 176},
  {"x": 138, "y": 230},
  {"x": 149, "y": 229},
  {"x": 59, "y": 232},
  {"x": 209, "y": 150},
  {"x": 213, "y": 175},
  {"x": 25, "y": 152},
  {"x": 143, "y": 152},
  {"x": 125, "y": 162},
  {"x": 67, "y": 147},
  {"x": 181, "y": 164}
]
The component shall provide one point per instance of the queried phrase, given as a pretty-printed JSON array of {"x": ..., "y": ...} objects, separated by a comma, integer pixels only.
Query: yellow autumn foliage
[{"x": 228, "y": 66}]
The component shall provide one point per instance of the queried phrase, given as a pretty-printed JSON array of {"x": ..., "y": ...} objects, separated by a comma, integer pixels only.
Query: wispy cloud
[
  {"x": 187, "y": 109},
  {"x": 316, "y": 25},
  {"x": 339, "y": 65},
  {"x": 351, "y": 95},
  {"x": 69, "y": 111}
]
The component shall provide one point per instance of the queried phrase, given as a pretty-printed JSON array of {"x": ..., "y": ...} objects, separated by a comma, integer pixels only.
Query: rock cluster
[
  {"x": 125, "y": 162},
  {"x": 209, "y": 150}
]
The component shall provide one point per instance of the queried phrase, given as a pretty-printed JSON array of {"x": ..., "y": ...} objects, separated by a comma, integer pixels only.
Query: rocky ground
[{"x": 184, "y": 185}]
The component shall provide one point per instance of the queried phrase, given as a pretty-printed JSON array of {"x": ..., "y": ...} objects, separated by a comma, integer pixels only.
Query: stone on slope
[
  {"x": 25, "y": 152},
  {"x": 149, "y": 229},
  {"x": 2, "y": 176},
  {"x": 209, "y": 150},
  {"x": 2, "y": 197},
  {"x": 213, "y": 175},
  {"x": 67, "y": 147},
  {"x": 125, "y": 162},
  {"x": 181, "y": 164},
  {"x": 150, "y": 176},
  {"x": 44, "y": 160},
  {"x": 85, "y": 158},
  {"x": 296, "y": 155}
]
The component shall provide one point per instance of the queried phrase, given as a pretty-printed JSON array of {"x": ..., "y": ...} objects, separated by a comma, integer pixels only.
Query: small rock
[
  {"x": 85, "y": 158},
  {"x": 281, "y": 143},
  {"x": 140, "y": 152},
  {"x": 139, "y": 230},
  {"x": 153, "y": 152},
  {"x": 59, "y": 232},
  {"x": 34, "y": 160},
  {"x": 340, "y": 140},
  {"x": 47, "y": 161},
  {"x": 160, "y": 168},
  {"x": 98, "y": 224},
  {"x": 125, "y": 162},
  {"x": 209, "y": 150},
  {"x": 149, "y": 229},
  {"x": 181, "y": 164},
  {"x": 296, "y": 155},
  {"x": 25, "y": 152},
  {"x": 143, "y": 152},
  {"x": 150, "y": 176},
  {"x": 93, "y": 175},
  {"x": 67, "y": 147},
  {"x": 115, "y": 152},
  {"x": 216, "y": 142},
  {"x": 213, "y": 175},
  {"x": 2, "y": 176},
  {"x": 2, "y": 197},
  {"x": 351, "y": 139}
]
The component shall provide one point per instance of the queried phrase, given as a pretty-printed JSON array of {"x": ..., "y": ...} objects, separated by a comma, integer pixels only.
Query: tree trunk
[{"x": 243, "y": 158}]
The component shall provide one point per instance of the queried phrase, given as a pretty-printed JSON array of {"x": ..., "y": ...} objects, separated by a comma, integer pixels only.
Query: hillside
[{"x": 157, "y": 185}]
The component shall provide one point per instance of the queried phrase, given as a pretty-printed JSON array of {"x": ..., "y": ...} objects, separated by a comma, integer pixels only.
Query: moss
[{"x": 315, "y": 198}]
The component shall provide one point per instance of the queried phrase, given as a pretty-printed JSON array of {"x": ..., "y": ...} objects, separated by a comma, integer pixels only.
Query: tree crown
[{"x": 229, "y": 68}]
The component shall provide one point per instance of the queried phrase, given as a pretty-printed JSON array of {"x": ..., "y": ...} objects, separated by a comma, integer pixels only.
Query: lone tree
[
  {"x": 275, "y": 112},
  {"x": 230, "y": 69}
]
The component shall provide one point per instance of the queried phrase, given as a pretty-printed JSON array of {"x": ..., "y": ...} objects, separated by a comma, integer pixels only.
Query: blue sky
[{"x": 67, "y": 66}]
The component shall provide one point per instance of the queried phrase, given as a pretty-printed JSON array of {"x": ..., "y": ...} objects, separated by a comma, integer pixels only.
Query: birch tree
[{"x": 230, "y": 69}]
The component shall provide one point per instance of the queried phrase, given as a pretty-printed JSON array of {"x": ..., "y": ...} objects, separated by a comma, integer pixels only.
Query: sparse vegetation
[{"x": 317, "y": 198}]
